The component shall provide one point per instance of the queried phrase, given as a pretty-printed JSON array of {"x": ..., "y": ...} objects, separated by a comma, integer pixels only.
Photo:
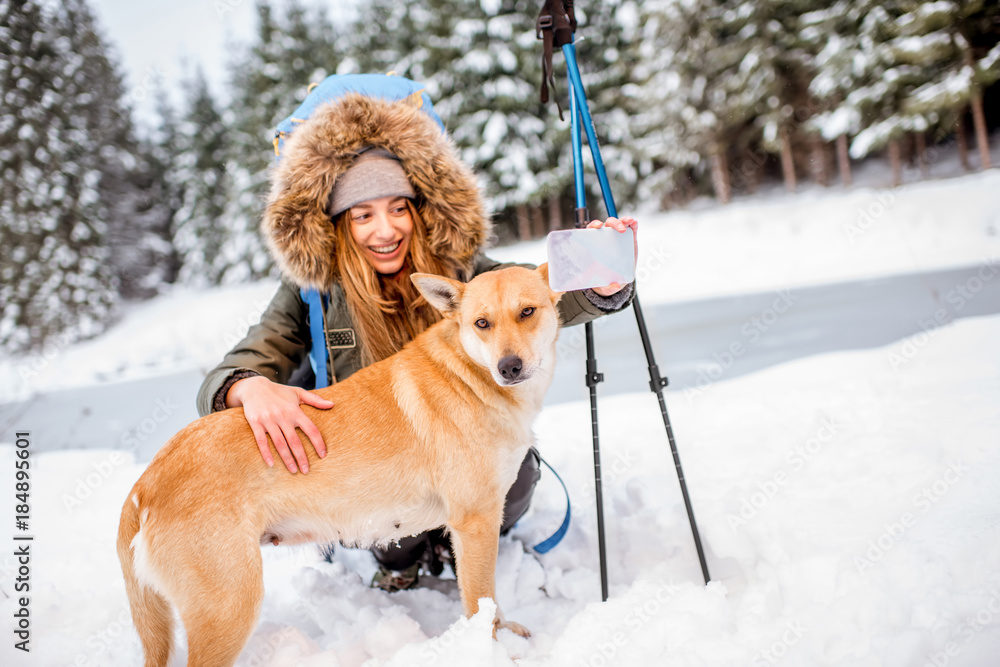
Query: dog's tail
[{"x": 151, "y": 612}]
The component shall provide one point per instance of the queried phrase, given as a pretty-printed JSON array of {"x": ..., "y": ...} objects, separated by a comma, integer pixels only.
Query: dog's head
[{"x": 507, "y": 319}]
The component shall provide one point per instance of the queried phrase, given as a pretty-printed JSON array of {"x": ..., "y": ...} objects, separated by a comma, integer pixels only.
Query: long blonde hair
[{"x": 388, "y": 311}]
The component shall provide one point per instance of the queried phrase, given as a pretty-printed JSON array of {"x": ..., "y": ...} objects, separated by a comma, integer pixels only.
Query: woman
[{"x": 367, "y": 192}]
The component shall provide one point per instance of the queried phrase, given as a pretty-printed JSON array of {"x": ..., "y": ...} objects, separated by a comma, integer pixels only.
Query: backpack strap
[
  {"x": 555, "y": 25},
  {"x": 317, "y": 354},
  {"x": 546, "y": 545}
]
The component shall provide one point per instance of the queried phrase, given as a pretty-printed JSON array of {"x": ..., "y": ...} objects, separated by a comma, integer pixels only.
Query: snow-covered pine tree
[
  {"x": 254, "y": 78},
  {"x": 164, "y": 145},
  {"x": 271, "y": 76},
  {"x": 700, "y": 90},
  {"x": 139, "y": 221},
  {"x": 606, "y": 38},
  {"x": 138, "y": 217},
  {"x": 136, "y": 220},
  {"x": 890, "y": 63},
  {"x": 950, "y": 40},
  {"x": 779, "y": 66},
  {"x": 842, "y": 65},
  {"x": 861, "y": 81},
  {"x": 385, "y": 38},
  {"x": 199, "y": 169},
  {"x": 268, "y": 80},
  {"x": 668, "y": 158},
  {"x": 130, "y": 210},
  {"x": 55, "y": 273},
  {"x": 487, "y": 69}
]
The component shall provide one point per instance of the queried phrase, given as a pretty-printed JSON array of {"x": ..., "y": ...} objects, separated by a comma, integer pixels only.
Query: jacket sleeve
[
  {"x": 274, "y": 348},
  {"x": 578, "y": 307}
]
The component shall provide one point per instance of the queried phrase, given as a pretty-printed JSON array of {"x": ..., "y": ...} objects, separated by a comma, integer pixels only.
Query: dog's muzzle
[{"x": 511, "y": 370}]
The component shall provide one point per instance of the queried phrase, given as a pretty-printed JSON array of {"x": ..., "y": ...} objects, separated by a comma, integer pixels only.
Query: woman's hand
[
  {"x": 273, "y": 409},
  {"x": 621, "y": 226}
]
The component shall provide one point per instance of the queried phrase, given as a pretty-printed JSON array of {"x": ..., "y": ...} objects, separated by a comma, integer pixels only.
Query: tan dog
[{"x": 432, "y": 436}]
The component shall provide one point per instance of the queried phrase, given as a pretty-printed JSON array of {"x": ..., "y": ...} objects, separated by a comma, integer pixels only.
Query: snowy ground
[{"x": 848, "y": 503}]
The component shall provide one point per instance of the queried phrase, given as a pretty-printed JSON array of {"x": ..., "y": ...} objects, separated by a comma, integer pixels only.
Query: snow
[
  {"x": 954, "y": 87},
  {"x": 941, "y": 10},
  {"x": 989, "y": 61},
  {"x": 847, "y": 502},
  {"x": 840, "y": 121},
  {"x": 917, "y": 48}
]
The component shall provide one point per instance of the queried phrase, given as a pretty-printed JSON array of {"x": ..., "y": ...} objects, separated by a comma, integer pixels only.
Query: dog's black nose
[{"x": 510, "y": 367}]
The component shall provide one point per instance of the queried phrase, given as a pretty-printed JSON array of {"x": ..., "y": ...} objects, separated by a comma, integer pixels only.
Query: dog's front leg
[{"x": 476, "y": 540}]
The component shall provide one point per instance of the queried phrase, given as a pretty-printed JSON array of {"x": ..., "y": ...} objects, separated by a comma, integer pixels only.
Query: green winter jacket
[{"x": 277, "y": 346}]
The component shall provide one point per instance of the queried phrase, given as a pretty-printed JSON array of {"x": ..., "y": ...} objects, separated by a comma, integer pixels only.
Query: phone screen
[{"x": 587, "y": 258}]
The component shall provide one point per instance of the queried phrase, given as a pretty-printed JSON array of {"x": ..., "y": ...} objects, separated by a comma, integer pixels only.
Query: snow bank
[{"x": 848, "y": 504}]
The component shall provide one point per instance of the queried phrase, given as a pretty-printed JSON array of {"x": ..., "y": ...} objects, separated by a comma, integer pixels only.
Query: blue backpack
[{"x": 383, "y": 86}]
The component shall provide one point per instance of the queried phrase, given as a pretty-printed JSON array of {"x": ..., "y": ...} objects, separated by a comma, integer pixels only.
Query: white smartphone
[{"x": 586, "y": 258}]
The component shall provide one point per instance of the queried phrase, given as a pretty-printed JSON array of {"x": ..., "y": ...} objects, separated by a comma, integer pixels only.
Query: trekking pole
[
  {"x": 559, "y": 22},
  {"x": 593, "y": 377}
]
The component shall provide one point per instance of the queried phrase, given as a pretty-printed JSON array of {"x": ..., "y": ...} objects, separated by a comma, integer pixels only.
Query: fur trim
[{"x": 296, "y": 227}]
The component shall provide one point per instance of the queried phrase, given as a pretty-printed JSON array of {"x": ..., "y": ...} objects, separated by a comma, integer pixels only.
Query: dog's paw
[{"x": 516, "y": 628}]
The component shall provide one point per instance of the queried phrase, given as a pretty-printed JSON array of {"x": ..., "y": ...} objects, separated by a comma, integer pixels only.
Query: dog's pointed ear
[
  {"x": 543, "y": 271},
  {"x": 442, "y": 293}
]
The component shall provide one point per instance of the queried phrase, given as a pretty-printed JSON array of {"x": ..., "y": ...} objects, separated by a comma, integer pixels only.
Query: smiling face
[{"x": 383, "y": 228}]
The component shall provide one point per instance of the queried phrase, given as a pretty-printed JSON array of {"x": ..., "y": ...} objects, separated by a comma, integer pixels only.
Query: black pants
[{"x": 408, "y": 550}]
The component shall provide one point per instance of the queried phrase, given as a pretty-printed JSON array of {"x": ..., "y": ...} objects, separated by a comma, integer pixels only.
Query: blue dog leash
[{"x": 546, "y": 545}]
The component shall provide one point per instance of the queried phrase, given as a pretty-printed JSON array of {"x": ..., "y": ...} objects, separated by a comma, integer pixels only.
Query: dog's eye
[
  {"x": 482, "y": 323},
  {"x": 527, "y": 312}
]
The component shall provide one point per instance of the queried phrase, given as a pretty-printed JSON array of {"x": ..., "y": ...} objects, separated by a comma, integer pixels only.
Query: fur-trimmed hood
[{"x": 296, "y": 227}]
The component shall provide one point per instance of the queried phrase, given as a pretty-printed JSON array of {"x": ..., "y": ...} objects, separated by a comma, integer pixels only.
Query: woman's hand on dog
[
  {"x": 620, "y": 225},
  {"x": 273, "y": 409}
]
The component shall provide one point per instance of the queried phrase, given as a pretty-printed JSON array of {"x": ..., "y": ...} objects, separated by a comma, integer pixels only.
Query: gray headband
[{"x": 375, "y": 173}]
